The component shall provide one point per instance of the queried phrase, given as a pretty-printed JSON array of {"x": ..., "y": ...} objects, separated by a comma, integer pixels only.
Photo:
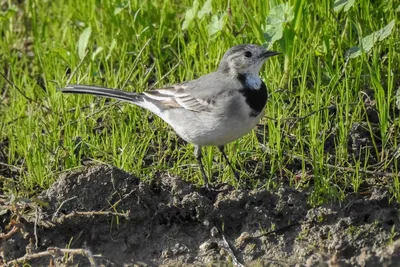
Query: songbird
[{"x": 213, "y": 110}]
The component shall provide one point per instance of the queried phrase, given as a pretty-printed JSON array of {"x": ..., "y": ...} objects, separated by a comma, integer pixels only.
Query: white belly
[{"x": 206, "y": 130}]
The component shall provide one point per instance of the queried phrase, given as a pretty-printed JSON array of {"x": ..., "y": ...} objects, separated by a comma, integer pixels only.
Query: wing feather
[{"x": 177, "y": 97}]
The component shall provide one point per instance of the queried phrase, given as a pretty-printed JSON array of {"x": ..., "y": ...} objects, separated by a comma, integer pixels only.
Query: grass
[{"x": 308, "y": 137}]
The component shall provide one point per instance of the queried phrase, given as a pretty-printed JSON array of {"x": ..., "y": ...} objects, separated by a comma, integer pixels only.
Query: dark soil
[{"x": 172, "y": 223}]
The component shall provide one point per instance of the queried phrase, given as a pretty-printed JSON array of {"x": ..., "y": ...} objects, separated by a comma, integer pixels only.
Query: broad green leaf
[
  {"x": 275, "y": 22},
  {"x": 353, "y": 52},
  {"x": 190, "y": 15},
  {"x": 368, "y": 42},
  {"x": 206, "y": 9},
  {"x": 385, "y": 31},
  {"x": 83, "y": 42},
  {"x": 280, "y": 14},
  {"x": 217, "y": 23},
  {"x": 349, "y": 4},
  {"x": 340, "y": 4},
  {"x": 273, "y": 34}
]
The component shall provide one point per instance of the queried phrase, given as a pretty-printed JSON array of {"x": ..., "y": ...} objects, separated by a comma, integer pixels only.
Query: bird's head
[{"x": 245, "y": 59}]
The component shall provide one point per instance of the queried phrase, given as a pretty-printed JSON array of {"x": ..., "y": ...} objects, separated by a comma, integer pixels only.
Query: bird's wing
[
  {"x": 177, "y": 97},
  {"x": 197, "y": 95}
]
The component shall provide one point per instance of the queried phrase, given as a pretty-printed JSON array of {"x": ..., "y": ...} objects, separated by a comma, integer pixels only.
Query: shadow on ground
[{"x": 172, "y": 223}]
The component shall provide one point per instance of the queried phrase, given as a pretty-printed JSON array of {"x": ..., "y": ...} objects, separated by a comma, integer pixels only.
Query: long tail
[
  {"x": 101, "y": 91},
  {"x": 140, "y": 99}
]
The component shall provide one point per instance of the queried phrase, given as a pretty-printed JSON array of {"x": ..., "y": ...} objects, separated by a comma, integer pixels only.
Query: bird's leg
[
  {"x": 221, "y": 149},
  {"x": 197, "y": 155}
]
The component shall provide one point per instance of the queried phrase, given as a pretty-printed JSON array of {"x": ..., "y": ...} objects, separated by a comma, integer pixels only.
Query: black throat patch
[{"x": 255, "y": 98}]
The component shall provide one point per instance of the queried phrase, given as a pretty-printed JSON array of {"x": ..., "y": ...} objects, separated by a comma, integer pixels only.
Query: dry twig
[
  {"x": 54, "y": 252},
  {"x": 12, "y": 232},
  {"x": 89, "y": 214}
]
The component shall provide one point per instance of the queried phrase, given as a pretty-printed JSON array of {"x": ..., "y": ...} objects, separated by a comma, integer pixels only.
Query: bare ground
[{"x": 118, "y": 220}]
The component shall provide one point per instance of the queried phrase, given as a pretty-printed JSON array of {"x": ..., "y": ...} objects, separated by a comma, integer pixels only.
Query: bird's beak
[{"x": 268, "y": 54}]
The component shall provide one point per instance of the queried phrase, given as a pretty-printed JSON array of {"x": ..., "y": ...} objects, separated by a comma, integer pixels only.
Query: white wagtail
[{"x": 213, "y": 110}]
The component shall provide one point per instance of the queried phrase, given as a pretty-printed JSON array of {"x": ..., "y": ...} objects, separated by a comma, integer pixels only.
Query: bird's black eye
[{"x": 248, "y": 54}]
